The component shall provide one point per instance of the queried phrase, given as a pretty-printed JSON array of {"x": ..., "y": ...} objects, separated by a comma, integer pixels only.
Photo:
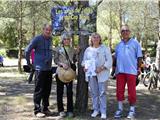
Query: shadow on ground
[{"x": 16, "y": 100}]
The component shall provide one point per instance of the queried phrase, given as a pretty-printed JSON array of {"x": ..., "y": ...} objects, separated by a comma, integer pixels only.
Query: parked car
[{"x": 1, "y": 61}]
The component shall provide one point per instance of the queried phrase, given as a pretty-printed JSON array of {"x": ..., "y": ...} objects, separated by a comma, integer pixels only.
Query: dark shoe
[
  {"x": 70, "y": 114},
  {"x": 48, "y": 113},
  {"x": 40, "y": 115}
]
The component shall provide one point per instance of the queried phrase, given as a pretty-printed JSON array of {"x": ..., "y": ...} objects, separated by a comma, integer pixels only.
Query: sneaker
[
  {"x": 70, "y": 114},
  {"x": 118, "y": 114},
  {"x": 95, "y": 113},
  {"x": 131, "y": 115},
  {"x": 40, "y": 115},
  {"x": 48, "y": 113},
  {"x": 62, "y": 114},
  {"x": 103, "y": 116}
]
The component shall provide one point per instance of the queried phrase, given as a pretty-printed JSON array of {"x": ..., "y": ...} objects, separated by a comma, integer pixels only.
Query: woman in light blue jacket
[{"x": 97, "y": 61}]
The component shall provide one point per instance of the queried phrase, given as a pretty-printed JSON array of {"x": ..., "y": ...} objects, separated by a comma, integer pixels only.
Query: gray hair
[
  {"x": 47, "y": 25},
  {"x": 65, "y": 36},
  {"x": 125, "y": 26}
]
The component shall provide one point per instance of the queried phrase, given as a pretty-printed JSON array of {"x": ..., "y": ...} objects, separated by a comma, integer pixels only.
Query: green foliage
[
  {"x": 106, "y": 42},
  {"x": 9, "y": 35},
  {"x": 56, "y": 41},
  {"x": 3, "y": 52},
  {"x": 142, "y": 17},
  {"x": 76, "y": 40}
]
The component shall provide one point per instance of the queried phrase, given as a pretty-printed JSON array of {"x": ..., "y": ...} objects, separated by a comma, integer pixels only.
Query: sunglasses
[{"x": 125, "y": 31}]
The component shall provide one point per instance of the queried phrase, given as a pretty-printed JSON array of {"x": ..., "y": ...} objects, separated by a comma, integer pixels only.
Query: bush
[
  {"x": 12, "y": 53},
  {"x": 3, "y": 52}
]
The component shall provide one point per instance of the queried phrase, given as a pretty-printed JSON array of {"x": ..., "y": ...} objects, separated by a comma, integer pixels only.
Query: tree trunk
[
  {"x": 158, "y": 44},
  {"x": 20, "y": 41},
  {"x": 120, "y": 17},
  {"x": 34, "y": 28},
  {"x": 82, "y": 86},
  {"x": 110, "y": 26}
]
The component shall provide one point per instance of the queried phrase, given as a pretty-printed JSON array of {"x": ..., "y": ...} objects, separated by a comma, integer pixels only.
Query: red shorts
[{"x": 122, "y": 79}]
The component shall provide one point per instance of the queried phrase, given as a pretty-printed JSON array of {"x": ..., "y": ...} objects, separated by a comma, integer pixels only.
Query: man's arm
[
  {"x": 139, "y": 64},
  {"x": 28, "y": 50}
]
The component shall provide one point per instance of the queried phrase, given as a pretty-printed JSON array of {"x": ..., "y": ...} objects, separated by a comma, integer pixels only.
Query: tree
[
  {"x": 82, "y": 86},
  {"x": 9, "y": 35},
  {"x": 20, "y": 38},
  {"x": 158, "y": 44}
]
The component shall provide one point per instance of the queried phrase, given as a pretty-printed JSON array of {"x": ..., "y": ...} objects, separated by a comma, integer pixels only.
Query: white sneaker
[
  {"x": 118, "y": 114},
  {"x": 131, "y": 115},
  {"x": 103, "y": 116},
  {"x": 62, "y": 114},
  {"x": 95, "y": 113},
  {"x": 40, "y": 115}
]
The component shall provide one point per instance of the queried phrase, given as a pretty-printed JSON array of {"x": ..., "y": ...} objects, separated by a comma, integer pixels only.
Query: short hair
[
  {"x": 46, "y": 25},
  {"x": 95, "y": 34},
  {"x": 125, "y": 25},
  {"x": 65, "y": 36}
]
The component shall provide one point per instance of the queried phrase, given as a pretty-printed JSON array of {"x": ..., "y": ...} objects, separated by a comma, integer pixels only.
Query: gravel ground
[{"x": 16, "y": 100}]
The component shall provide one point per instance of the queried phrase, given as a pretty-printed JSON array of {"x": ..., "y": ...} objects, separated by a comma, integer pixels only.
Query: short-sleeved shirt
[{"x": 127, "y": 54}]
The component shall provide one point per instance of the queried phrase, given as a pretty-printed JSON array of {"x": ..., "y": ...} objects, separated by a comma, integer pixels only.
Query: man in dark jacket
[{"x": 42, "y": 44}]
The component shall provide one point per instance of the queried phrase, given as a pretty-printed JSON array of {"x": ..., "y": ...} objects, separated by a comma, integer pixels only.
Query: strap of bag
[{"x": 67, "y": 55}]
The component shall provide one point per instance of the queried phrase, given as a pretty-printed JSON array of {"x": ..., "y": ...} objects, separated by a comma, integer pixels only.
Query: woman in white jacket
[{"x": 97, "y": 61}]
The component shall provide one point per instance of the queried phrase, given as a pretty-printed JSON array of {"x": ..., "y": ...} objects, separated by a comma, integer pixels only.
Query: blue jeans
[{"x": 98, "y": 94}]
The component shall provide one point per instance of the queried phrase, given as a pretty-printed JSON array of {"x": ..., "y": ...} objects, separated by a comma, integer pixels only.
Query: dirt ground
[{"x": 16, "y": 100}]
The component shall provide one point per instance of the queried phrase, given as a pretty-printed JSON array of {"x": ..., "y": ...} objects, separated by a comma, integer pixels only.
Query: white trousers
[{"x": 98, "y": 94}]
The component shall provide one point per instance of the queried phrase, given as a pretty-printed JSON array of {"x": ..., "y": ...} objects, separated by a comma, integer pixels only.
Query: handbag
[
  {"x": 72, "y": 65},
  {"x": 66, "y": 75},
  {"x": 27, "y": 68}
]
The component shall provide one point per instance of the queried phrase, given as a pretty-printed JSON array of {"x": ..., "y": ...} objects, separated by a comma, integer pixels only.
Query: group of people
[{"x": 97, "y": 62}]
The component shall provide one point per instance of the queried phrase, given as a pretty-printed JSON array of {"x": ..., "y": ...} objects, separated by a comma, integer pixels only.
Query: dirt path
[{"x": 16, "y": 100}]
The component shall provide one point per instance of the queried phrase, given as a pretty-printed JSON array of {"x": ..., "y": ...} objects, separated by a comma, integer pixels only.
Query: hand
[
  {"x": 99, "y": 69},
  {"x": 31, "y": 66},
  {"x": 139, "y": 71},
  {"x": 78, "y": 49},
  {"x": 84, "y": 69},
  {"x": 65, "y": 66}
]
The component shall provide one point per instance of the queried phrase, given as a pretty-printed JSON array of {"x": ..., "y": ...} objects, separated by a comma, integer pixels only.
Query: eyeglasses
[{"x": 122, "y": 31}]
